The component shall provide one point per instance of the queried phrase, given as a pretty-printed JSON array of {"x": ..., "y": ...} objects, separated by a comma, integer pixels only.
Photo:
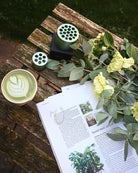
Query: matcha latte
[{"x": 19, "y": 86}]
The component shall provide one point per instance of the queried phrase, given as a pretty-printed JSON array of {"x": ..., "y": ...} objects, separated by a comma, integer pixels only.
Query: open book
[{"x": 69, "y": 120}]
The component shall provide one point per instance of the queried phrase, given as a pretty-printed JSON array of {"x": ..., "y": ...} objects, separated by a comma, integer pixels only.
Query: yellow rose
[
  {"x": 128, "y": 62},
  {"x": 116, "y": 63},
  {"x": 134, "y": 110},
  {"x": 99, "y": 84}
]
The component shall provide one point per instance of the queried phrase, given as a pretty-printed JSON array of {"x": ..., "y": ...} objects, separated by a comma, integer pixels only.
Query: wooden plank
[
  {"x": 25, "y": 122},
  {"x": 24, "y": 55},
  {"x": 51, "y": 24},
  {"x": 82, "y": 23},
  {"x": 24, "y": 153},
  {"x": 41, "y": 40}
]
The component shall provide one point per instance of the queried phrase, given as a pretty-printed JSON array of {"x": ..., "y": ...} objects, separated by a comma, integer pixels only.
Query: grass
[{"x": 18, "y": 18}]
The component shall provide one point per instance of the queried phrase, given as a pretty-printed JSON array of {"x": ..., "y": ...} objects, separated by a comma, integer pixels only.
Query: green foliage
[
  {"x": 86, "y": 47},
  {"x": 116, "y": 137},
  {"x": 84, "y": 79},
  {"x": 87, "y": 162},
  {"x": 117, "y": 98},
  {"x": 135, "y": 138},
  {"x": 66, "y": 70},
  {"x": 101, "y": 116},
  {"x": 108, "y": 39},
  {"x": 131, "y": 51},
  {"x": 119, "y": 130},
  {"x": 100, "y": 103},
  {"x": 94, "y": 73},
  {"x": 76, "y": 73},
  {"x": 53, "y": 64},
  {"x": 112, "y": 109},
  {"x": 106, "y": 93},
  {"x": 104, "y": 56},
  {"x": 126, "y": 150}
]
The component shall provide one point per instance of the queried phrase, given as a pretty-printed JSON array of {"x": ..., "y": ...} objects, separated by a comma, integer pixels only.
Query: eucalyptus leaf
[
  {"x": 100, "y": 103},
  {"x": 131, "y": 98},
  {"x": 84, "y": 79},
  {"x": 76, "y": 73},
  {"x": 104, "y": 56},
  {"x": 66, "y": 70},
  {"x": 127, "y": 45},
  {"x": 125, "y": 41},
  {"x": 111, "y": 120},
  {"x": 128, "y": 98},
  {"x": 122, "y": 72},
  {"x": 132, "y": 127},
  {"x": 119, "y": 118},
  {"x": 135, "y": 138},
  {"x": 130, "y": 75},
  {"x": 127, "y": 85},
  {"x": 119, "y": 130},
  {"x": 86, "y": 47},
  {"x": 82, "y": 62},
  {"x": 107, "y": 93},
  {"x": 134, "y": 144},
  {"x": 136, "y": 79},
  {"x": 130, "y": 137},
  {"x": 131, "y": 51},
  {"x": 127, "y": 110},
  {"x": 112, "y": 109},
  {"x": 94, "y": 73},
  {"x": 102, "y": 121},
  {"x": 52, "y": 64},
  {"x": 116, "y": 137},
  {"x": 108, "y": 39},
  {"x": 97, "y": 67},
  {"x": 126, "y": 150},
  {"x": 105, "y": 106},
  {"x": 100, "y": 116},
  {"x": 129, "y": 119}
]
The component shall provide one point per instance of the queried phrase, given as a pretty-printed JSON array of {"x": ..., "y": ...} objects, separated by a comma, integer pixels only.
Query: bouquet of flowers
[{"x": 114, "y": 73}]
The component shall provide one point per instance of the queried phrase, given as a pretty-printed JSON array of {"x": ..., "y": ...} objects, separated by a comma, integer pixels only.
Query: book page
[{"x": 69, "y": 119}]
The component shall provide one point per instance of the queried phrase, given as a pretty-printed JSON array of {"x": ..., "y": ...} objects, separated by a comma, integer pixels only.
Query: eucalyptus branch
[
  {"x": 102, "y": 62},
  {"x": 87, "y": 70},
  {"x": 88, "y": 63}
]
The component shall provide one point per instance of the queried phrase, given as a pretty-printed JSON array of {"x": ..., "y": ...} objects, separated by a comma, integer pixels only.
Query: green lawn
[{"x": 18, "y": 18}]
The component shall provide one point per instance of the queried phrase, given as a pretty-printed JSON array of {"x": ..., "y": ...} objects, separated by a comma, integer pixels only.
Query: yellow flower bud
[
  {"x": 103, "y": 33},
  {"x": 128, "y": 62},
  {"x": 134, "y": 110},
  {"x": 116, "y": 63},
  {"x": 99, "y": 84},
  {"x": 104, "y": 48},
  {"x": 99, "y": 36}
]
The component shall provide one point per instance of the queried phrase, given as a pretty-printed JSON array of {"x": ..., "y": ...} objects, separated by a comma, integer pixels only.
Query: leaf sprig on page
[{"x": 114, "y": 73}]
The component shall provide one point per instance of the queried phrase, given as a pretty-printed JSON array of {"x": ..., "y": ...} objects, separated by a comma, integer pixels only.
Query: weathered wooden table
[{"x": 22, "y": 136}]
